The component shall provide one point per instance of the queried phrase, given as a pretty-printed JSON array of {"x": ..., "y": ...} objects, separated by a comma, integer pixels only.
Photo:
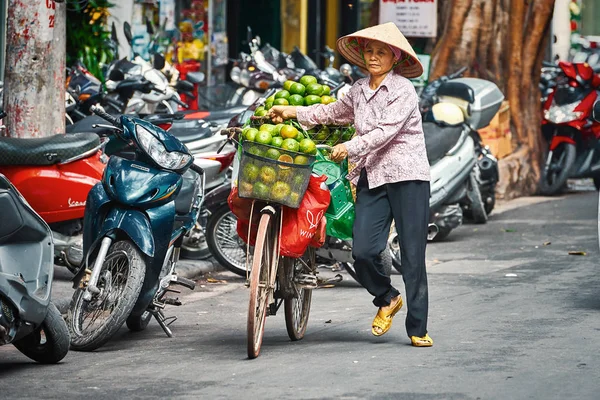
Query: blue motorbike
[{"x": 135, "y": 221}]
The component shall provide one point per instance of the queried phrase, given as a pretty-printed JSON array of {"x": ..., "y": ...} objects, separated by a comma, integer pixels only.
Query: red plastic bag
[
  {"x": 300, "y": 225},
  {"x": 241, "y": 208},
  {"x": 319, "y": 239}
]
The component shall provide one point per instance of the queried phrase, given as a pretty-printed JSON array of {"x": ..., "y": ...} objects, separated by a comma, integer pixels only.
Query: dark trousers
[{"x": 408, "y": 204}]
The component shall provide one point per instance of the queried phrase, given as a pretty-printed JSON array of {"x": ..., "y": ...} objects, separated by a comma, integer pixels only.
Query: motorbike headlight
[
  {"x": 156, "y": 150},
  {"x": 561, "y": 114},
  {"x": 245, "y": 78},
  {"x": 157, "y": 78}
]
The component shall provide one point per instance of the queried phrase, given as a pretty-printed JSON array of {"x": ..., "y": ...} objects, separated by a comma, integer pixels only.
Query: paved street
[{"x": 512, "y": 314}]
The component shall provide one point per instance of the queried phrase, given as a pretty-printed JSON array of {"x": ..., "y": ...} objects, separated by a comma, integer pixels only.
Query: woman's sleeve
[
  {"x": 340, "y": 112},
  {"x": 398, "y": 115}
]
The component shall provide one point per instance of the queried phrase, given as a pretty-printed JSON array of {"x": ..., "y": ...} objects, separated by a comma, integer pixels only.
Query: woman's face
[{"x": 379, "y": 57}]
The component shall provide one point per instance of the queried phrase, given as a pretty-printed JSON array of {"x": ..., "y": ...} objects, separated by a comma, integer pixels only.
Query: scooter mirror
[
  {"x": 159, "y": 61},
  {"x": 127, "y": 32},
  {"x": 248, "y": 34},
  {"x": 149, "y": 27},
  {"x": 596, "y": 112},
  {"x": 113, "y": 34},
  {"x": 258, "y": 40},
  {"x": 346, "y": 70},
  {"x": 116, "y": 75}
]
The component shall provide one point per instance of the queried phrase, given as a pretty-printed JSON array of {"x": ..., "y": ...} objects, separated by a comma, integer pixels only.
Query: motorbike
[
  {"x": 572, "y": 135},
  {"x": 135, "y": 222},
  {"x": 28, "y": 319},
  {"x": 55, "y": 174}
]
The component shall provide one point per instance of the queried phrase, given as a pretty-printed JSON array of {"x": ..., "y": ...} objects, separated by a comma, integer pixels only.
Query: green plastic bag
[{"x": 340, "y": 214}]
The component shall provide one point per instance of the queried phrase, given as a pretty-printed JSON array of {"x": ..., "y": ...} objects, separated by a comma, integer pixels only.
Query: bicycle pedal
[{"x": 172, "y": 301}]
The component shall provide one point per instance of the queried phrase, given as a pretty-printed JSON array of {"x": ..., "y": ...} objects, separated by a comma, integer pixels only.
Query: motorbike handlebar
[
  {"x": 197, "y": 169},
  {"x": 457, "y": 73},
  {"x": 104, "y": 115},
  {"x": 181, "y": 103}
]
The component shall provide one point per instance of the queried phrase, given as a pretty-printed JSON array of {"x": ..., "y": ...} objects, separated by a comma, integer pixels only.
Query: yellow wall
[
  {"x": 294, "y": 18},
  {"x": 332, "y": 25}
]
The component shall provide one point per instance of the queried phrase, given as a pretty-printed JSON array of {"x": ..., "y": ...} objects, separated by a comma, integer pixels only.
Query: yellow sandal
[
  {"x": 383, "y": 320},
  {"x": 424, "y": 341}
]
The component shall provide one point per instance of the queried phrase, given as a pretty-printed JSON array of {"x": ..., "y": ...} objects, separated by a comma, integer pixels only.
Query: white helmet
[{"x": 447, "y": 113}]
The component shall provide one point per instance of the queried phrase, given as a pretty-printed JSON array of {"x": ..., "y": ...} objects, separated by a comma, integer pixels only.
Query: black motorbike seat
[
  {"x": 47, "y": 150},
  {"x": 458, "y": 90},
  {"x": 187, "y": 194},
  {"x": 439, "y": 139},
  {"x": 195, "y": 77}
]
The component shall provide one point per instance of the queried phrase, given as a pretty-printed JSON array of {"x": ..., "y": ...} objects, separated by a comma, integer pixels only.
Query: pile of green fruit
[
  {"x": 280, "y": 181},
  {"x": 306, "y": 92}
]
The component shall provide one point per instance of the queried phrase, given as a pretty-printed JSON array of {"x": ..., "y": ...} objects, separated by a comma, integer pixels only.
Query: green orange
[
  {"x": 312, "y": 99},
  {"x": 297, "y": 88},
  {"x": 314, "y": 88},
  {"x": 282, "y": 94},
  {"x": 296, "y": 100},
  {"x": 288, "y": 132},
  {"x": 290, "y": 145},
  {"x": 281, "y": 102},
  {"x": 263, "y": 137},
  {"x": 307, "y": 80}
]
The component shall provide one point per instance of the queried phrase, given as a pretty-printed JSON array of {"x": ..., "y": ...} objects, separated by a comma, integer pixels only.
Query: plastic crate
[{"x": 265, "y": 175}]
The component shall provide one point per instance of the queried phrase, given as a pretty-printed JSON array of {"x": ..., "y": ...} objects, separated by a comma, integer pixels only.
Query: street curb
[{"x": 193, "y": 268}]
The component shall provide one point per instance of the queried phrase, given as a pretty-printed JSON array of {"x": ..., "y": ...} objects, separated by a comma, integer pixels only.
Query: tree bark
[
  {"x": 34, "y": 91},
  {"x": 503, "y": 41}
]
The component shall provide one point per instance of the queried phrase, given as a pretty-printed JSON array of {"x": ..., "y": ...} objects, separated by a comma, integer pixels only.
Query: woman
[{"x": 392, "y": 171}]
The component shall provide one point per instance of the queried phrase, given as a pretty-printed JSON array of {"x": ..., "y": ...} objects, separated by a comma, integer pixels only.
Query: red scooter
[
  {"x": 568, "y": 127},
  {"x": 55, "y": 174}
]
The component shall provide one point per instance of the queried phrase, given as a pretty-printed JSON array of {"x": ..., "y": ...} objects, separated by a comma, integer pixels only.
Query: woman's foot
[
  {"x": 424, "y": 341},
  {"x": 383, "y": 320}
]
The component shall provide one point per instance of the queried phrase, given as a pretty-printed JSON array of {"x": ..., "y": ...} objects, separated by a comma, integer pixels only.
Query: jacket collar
[{"x": 387, "y": 83}]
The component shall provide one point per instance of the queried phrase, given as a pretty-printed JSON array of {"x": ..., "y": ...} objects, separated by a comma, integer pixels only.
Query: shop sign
[{"x": 414, "y": 18}]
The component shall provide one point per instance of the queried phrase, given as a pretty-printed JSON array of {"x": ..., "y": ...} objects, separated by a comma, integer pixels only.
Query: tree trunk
[
  {"x": 34, "y": 91},
  {"x": 503, "y": 41}
]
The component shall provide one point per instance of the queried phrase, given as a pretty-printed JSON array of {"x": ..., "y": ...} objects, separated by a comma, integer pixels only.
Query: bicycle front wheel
[{"x": 261, "y": 287}]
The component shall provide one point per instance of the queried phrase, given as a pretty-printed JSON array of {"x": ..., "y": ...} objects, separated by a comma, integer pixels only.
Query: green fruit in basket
[
  {"x": 323, "y": 133},
  {"x": 296, "y": 100},
  {"x": 288, "y": 132},
  {"x": 290, "y": 145},
  {"x": 307, "y": 80},
  {"x": 288, "y": 84},
  {"x": 285, "y": 173},
  {"x": 261, "y": 113},
  {"x": 280, "y": 191},
  {"x": 273, "y": 154},
  {"x": 314, "y": 89},
  {"x": 268, "y": 105},
  {"x": 336, "y": 135},
  {"x": 312, "y": 99},
  {"x": 347, "y": 134},
  {"x": 301, "y": 160},
  {"x": 297, "y": 88},
  {"x": 282, "y": 94},
  {"x": 300, "y": 136},
  {"x": 263, "y": 137},
  {"x": 298, "y": 181},
  {"x": 294, "y": 198},
  {"x": 246, "y": 188},
  {"x": 267, "y": 175},
  {"x": 250, "y": 134},
  {"x": 326, "y": 90},
  {"x": 272, "y": 129},
  {"x": 250, "y": 172},
  {"x": 277, "y": 141},
  {"x": 326, "y": 99},
  {"x": 255, "y": 150},
  {"x": 307, "y": 146},
  {"x": 281, "y": 102},
  {"x": 258, "y": 109},
  {"x": 278, "y": 128},
  {"x": 260, "y": 190}
]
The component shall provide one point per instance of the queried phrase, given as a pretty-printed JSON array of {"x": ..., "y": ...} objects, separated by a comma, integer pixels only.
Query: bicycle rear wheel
[
  {"x": 261, "y": 286},
  {"x": 297, "y": 308}
]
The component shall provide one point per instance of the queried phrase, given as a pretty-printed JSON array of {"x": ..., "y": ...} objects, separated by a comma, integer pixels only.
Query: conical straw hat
[{"x": 350, "y": 47}]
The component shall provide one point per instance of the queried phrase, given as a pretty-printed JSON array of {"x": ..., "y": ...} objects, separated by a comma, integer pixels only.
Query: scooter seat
[
  {"x": 189, "y": 191},
  {"x": 195, "y": 77},
  {"x": 47, "y": 150},
  {"x": 440, "y": 139}
]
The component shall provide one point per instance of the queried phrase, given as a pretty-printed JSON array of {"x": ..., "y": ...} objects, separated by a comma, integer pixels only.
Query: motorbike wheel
[
  {"x": 49, "y": 343},
  {"x": 223, "y": 241},
  {"x": 194, "y": 246},
  {"x": 93, "y": 323},
  {"x": 350, "y": 270},
  {"x": 138, "y": 323},
  {"x": 555, "y": 176},
  {"x": 442, "y": 234},
  {"x": 476, "y": 206},
  {"x": 386, "y": 258}
]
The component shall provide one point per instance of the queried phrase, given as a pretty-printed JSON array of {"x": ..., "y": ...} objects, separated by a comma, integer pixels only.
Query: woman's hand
[
  {"x": 278, "y": 114},
  {"x": 338, "y": 153}
]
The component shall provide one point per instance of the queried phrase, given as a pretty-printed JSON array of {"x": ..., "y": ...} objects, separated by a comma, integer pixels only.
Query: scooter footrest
[{"x": 171, "y": 301}]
